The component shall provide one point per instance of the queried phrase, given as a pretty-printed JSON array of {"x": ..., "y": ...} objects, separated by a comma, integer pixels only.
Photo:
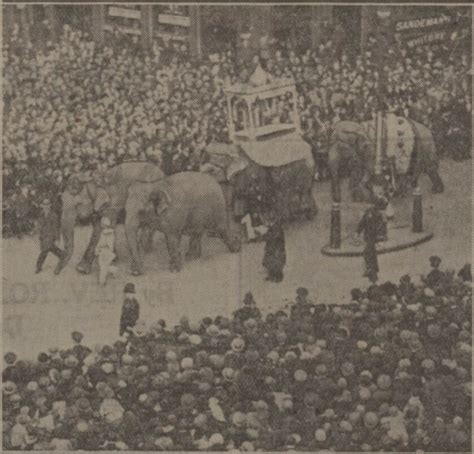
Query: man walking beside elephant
[
  {"x": 274, "y": 258},
  {"x": 48, "y": 229}
]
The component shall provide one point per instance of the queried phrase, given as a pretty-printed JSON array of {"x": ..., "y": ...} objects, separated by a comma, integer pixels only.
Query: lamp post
[{"x": 383, "y": 28}]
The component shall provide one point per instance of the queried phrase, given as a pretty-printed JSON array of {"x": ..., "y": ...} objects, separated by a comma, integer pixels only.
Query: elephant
[
  {"x": 353, "y": 144},
  {"x": 290, "y": 185},
  {"x": 285, "y": 175},
  {"x": 182, "y": 203},
  {"x": 98, "y": 194}
]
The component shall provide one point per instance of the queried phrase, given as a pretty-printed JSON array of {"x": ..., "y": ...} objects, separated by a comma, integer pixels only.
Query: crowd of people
[
  {"x": 73, "y": 105},
  {"x": 389, "y": 371}
]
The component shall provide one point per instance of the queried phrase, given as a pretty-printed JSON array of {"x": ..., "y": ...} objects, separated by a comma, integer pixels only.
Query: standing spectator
[
  {"x": 274, "y": 259},
  {"x": 130, "y": 309},
  {"x": 368, "y": 226},
  {"x": 48, "y": 228}
]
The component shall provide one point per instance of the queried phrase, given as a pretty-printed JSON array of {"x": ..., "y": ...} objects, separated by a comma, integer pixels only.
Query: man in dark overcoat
[
  {"x": 130, "y": 309},
  {"x": 274, "y": 258},
  {"x": 368, "y": 227},
  {"x": 48, "y": 229}
]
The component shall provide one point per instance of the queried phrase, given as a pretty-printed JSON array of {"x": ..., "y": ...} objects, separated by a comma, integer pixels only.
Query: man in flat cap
[{"x": 48, "y": 228}]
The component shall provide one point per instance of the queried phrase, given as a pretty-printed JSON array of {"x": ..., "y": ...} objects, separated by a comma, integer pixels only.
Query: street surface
[{"x": 40, "y": 311}]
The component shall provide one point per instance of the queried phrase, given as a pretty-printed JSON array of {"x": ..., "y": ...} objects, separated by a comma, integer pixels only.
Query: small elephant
[
  {"x": 97, "y": 195},
  {"x": 186, "y": 203}
]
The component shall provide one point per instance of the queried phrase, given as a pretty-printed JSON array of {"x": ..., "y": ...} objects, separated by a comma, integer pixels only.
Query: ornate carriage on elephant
[{"x": 267, "y": 166}]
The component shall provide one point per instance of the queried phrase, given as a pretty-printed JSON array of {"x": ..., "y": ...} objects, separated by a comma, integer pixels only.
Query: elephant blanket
[{"x": 398, "y": 140}]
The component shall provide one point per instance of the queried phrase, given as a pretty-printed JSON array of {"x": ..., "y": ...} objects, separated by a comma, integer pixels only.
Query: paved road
[{"x": 42, "y": 310}]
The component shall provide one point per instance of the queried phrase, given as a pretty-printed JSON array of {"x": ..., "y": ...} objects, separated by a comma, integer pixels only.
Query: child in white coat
[{"x": 104, "y": 251}]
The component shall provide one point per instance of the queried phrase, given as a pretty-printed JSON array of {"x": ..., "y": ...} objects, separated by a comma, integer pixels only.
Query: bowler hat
[{"x": 129, "y": 288}]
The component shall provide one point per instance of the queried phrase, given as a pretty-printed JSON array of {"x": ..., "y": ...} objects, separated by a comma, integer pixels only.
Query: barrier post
[
  {"x": 417, "y": 216},
  {"x": 335, "y": 238}
]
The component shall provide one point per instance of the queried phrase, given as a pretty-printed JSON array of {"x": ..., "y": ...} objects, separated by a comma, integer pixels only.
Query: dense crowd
[
  {"x": 72, "y": 105},
  {"x": 390, "y": 371}
]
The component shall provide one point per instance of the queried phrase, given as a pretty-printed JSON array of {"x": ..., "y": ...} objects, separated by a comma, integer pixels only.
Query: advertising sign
[{"x": 170, "y": 19}]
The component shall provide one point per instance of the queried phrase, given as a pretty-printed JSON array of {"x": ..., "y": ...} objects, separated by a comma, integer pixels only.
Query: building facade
[{"x": 206, "y": 29}]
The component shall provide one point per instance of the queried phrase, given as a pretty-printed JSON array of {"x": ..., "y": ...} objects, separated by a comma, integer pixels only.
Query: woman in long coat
[{"x": 274, "y": 258}]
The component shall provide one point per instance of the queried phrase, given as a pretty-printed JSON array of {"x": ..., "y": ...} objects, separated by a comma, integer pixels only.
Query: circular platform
[{"x": 399, "y": 237}]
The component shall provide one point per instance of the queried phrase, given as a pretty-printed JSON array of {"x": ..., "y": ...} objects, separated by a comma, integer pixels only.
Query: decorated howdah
[{"x": 268, "y": 161}]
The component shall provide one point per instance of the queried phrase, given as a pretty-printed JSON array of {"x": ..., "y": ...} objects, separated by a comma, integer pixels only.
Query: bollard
[
  {"x": 335, "y": 239},
  {"x": 417, "y": 216}
]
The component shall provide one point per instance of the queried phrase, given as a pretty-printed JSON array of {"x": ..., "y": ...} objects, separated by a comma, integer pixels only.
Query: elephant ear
[
  {"x": 161, "y": 201},
  {"x": 102, "y": 199}
]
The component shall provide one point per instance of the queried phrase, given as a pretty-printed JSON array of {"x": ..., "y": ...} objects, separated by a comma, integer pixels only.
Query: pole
[
  {"x": 417, "y": 216},
  {"x": 146, "y": 18},
  {"x": 98, "y": 22},
  {"x": 335, "y": 238},
  {"x": 195, "y": 32}
]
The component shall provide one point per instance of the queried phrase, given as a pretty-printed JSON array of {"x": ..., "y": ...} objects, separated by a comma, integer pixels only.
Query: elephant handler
[
  {"x": 369, "y": 227},
  {"x": 48, "y": 229},
  {"x": 274, "y": 258}
]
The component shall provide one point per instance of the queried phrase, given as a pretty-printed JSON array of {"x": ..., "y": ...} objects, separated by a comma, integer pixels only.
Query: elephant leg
[
  {"x": 131, "y": 232},
  {"x": 173, "y": 242},
  {"x": 146, "y": 239},
  {"x": 356, "y": 182},
  {"x": 312, "y": 209},
  {"x": 436, "y": 181},
  {"x": 194, "y": 251},
  {"x": 85, "y": 265}
]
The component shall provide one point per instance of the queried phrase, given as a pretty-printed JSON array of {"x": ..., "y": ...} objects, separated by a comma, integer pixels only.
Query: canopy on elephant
[{"x": 228, "y": 159}]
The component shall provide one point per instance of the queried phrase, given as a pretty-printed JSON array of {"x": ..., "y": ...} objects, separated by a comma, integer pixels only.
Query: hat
[
  {"x": 404, "y": 363},
  {"x": 187, "y": 363},
  {"x": 195, "y": 339},
  {"x": 10, "y": 358},
  {"x": 129, "y": 288},
  {"x": 300, "y": 375},
  {"x": 384, "y": 382},
  {"x": 361, "y": 345},
  {"x": 370, "y": 420},
  {"x": 435, "y": 261},
  {"x": 345, "y": 426},
  {"x": 347, "y": 369},
  {"x": 237, "y": 344},
  {"x": 434, "y": 330},
  {"x": 428, "y": 364},
  {"x": 320, "y": 435},
  {"x": 238, "y": 419},
  {"x": 77, "y": 336},
  {"x": 212, "y": 330},
  {"x": 321, "y": 369},
  {"x": 9, "y": 388},
  {"x": 248, "y": 298},
  {"x": 302, "y": 292}
]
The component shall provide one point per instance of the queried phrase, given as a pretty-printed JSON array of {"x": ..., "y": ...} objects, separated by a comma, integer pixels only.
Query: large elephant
[
  {"x": 290, "y": 186},
  {"x": 103, "y": 194},
  {"x": 352, "y": 145},
  {"x": 186, "y": 203},
  {"x": 282, "y": 169}
]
